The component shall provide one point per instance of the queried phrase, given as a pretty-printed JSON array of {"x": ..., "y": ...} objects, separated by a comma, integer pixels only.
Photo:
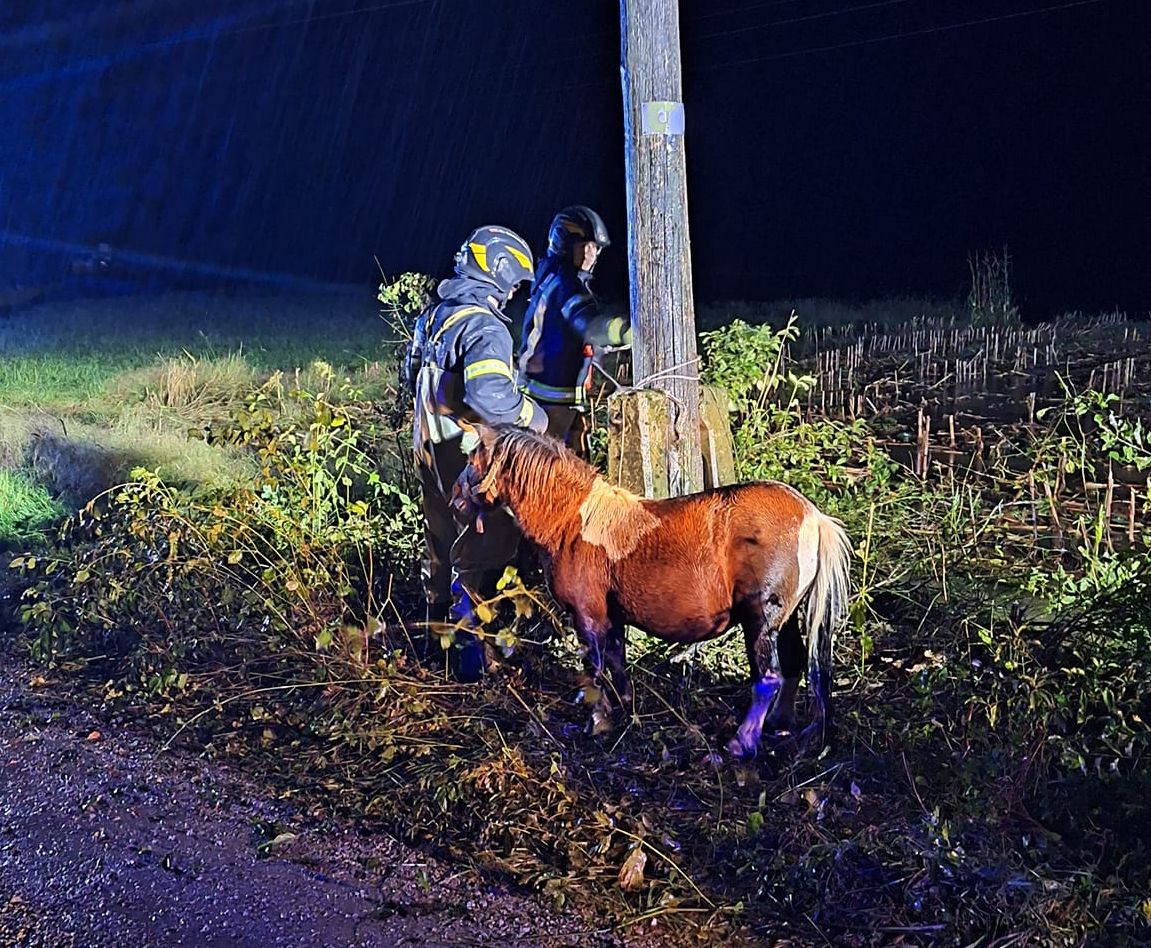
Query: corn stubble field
[{"x": 208, "y": 509}]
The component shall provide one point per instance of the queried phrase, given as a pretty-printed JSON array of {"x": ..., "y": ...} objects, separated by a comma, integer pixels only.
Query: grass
[
  {"x": 27, "y": 509},
  {"x": 61, "y": 353},
  {"x": 91, "y": 390}
]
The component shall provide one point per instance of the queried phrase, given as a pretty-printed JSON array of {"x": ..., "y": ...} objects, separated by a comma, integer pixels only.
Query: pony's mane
[
  {"x": 536, "y": 468},
  {"x": 551, "y": 490}
]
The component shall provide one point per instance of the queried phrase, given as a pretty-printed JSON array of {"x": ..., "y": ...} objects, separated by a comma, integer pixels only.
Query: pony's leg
[
  {"x": 761, "y": 634},
  {"x": 593, "y": 632},
  {"x": 818, "y": 732},
  {"x": 791, "y": 656},
  {"x": 615, "y": 654}
]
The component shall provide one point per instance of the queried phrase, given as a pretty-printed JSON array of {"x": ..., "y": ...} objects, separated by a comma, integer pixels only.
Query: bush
[{"x": 283, "y": 555}]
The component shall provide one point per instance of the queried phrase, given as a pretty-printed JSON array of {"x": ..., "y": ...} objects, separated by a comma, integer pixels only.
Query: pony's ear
[
  {"x": 476, "y": 435},
  {"x": 487, "y": 435}
]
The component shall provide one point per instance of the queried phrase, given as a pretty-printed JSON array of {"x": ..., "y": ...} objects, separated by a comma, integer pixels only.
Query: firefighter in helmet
[
  {"x": 564, "y": 325},
  {"x": 462, "y": 368}
]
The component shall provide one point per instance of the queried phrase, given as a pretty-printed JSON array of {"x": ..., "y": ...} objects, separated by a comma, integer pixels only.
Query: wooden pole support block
[{"x": 637, "y": 447}]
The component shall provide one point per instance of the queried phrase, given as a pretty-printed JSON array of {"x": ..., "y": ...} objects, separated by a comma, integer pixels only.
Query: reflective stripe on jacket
[
  {"x": 466, "y": 373},
  {"x": 562, "y": 318}
]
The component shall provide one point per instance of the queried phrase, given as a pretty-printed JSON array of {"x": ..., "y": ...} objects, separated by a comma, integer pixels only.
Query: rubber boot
[{"x": 466, "y": 656}]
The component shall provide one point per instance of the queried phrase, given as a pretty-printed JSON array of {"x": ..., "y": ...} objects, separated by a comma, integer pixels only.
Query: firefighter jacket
[
  {"x": 563, "y": 326},
  {"x": 463, "y": 351}
]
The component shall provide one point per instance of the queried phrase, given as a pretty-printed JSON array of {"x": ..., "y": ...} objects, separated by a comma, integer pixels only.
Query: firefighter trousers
[
  {"x": 461, "y": 564},
  {"x": 569, "y": 425}
]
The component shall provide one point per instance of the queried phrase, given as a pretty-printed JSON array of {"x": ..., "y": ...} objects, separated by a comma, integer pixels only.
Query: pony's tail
[{"x": 826, "y": 609}]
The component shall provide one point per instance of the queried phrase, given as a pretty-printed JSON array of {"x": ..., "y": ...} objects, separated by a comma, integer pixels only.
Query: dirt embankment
[{"x": 106, "y": 841}]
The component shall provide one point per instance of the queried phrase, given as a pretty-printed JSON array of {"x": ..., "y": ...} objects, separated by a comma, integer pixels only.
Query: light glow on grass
[{"x": 27, "y": 510}]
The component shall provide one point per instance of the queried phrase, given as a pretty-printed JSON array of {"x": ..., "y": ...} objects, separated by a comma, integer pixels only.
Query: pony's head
[
  {"x": 475, "y": 489},
  {"x": 532, "y": 474}
]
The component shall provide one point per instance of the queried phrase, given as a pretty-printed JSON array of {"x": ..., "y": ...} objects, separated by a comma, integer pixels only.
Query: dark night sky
[{"x": 844, "y": 148}]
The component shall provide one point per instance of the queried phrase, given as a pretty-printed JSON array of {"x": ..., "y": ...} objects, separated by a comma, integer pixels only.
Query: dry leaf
[
  {"x": 94, "y": 736},
  {"x": 631, "y": 872}
]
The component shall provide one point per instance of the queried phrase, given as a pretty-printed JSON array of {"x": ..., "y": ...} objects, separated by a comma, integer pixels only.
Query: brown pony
[{"x": 684, "y": 569}]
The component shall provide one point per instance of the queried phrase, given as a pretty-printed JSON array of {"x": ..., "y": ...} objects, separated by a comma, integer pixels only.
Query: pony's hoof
[
  {"x": 736, "y": 749},
  {"x": 599, "y": 723}
]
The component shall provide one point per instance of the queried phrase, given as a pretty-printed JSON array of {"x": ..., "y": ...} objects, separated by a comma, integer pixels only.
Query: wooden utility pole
[{"x": 659, "y": 254}]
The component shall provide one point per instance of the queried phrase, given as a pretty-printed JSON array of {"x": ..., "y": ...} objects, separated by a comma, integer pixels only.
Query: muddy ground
[{"x": 105, "y": 840}]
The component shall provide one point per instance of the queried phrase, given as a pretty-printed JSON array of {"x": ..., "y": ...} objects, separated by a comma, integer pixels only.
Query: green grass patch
[
  {"x": 57, "y": 377},
  {"x": 94, "y": 389},
  {"x": 27, "y": 510},
  {"x": 62, "y": 353}
]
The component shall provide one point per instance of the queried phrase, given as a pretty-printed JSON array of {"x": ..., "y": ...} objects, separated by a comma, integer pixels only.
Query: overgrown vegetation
[
  {"x": 27, "y": 510},
  {"x": 988, "y": 781},
  {"x": 90, "y": 391},
  {"x": 1026, "y": 716}
]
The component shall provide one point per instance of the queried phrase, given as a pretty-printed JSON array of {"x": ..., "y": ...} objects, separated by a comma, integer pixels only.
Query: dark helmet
[
  {"x": 497, "y": 256},
  {"x": 574, "y": 224}
]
